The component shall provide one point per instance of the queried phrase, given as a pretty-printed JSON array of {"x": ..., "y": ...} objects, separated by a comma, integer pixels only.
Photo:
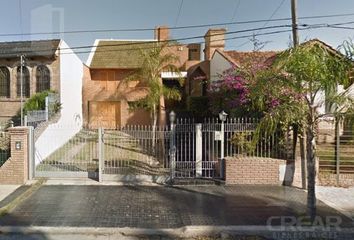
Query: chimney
[
  {"x": 214, "y": 39},
  {"x": 194, "y": 51},
  {"x": 162, "y": 33}
]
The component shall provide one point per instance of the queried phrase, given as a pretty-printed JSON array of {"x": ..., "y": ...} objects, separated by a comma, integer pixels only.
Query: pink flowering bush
[
  {"x": 234, "y": 92},
  {"x": 231, "y": 92}
]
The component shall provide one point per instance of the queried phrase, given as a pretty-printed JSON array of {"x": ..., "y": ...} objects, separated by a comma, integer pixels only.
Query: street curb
[
  {"x": 14, "y": 203},
  {"x": 183, "y": 232}
]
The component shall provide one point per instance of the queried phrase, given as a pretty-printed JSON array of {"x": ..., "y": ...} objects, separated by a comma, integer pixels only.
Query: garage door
[{"x": 104, "y": 114}]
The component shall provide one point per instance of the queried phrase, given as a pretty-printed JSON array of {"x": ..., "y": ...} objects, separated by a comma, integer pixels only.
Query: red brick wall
[
  {"x": 162, "y": 33},
  {"x": 214, "y": 39},
  {"x": 106, "y": 85},
  {"x": 15, "y": 170},
  {"x": 252, "y": 170}
]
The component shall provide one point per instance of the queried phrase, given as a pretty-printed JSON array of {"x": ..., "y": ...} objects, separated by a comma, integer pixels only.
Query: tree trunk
[
  {"x": 311, "y": 170},
  {"x": 303, "y": 162},
  {"x": 154, "y": 124}
]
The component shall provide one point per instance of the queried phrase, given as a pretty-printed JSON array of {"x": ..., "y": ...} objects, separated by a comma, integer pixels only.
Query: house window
[
  {"x": 4, "y": 82},
  {"x": 43, "y": 79},
  {"x": 26, "y": 82},
  {"x": 192, "y": 54}
]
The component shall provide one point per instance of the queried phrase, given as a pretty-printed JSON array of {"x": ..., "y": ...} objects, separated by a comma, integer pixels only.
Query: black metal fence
[{"x": 4, "y": 147}]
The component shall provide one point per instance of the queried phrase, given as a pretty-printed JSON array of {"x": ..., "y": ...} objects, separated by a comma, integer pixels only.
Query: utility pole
[
  {"x": 294, "y": 22},
  {"x": 22, "y": 59}
]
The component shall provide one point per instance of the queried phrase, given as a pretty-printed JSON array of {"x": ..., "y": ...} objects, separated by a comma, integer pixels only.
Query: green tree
[
  {"x": 299, "y": 80},
  {"x": 154, "y": 60},
  {"x": 36, "y": 102}
]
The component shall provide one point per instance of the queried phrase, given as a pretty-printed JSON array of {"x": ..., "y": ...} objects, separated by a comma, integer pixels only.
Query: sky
[{"x": 38, "y": 16}]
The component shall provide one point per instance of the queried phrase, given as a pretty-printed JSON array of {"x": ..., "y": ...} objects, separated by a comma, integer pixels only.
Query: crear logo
[{"x": 303, "y": 223}]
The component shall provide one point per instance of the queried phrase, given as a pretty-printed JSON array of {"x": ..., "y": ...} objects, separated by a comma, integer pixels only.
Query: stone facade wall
[
  {"x": 330, "y": 179},
  {"x": 253, "y": 170},
  {"x": 15, "y": 170}
]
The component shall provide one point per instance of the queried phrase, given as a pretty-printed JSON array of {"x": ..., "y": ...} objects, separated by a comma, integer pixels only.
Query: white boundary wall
[{"x": 70, "y": 122}]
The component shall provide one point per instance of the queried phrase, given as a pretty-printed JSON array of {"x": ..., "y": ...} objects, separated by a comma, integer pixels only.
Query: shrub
[
  {"x": 36, "y": 102},
  {"x": 199, "y": 106}
]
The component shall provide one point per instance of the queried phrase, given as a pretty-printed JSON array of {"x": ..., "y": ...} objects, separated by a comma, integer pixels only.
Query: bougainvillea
[
  {"x": 231, "y": 92},
  {"x": 234, "y": 91}
]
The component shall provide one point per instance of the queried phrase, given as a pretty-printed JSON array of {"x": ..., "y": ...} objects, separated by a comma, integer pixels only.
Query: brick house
[
  {"x": 106, "y": 97},
  {"x": 49, "y": 65},
  {"x": 222, "y": 60},
  {"x": 199, "y": 71},
  {"x": 41, "y": 72}
]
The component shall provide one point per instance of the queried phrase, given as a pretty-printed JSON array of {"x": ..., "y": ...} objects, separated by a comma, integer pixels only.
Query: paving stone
[{"x": 160, "y": 207}]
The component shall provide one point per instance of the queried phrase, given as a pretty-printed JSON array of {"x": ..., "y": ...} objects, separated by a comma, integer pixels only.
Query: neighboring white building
[{"x": 70, "y": 120}]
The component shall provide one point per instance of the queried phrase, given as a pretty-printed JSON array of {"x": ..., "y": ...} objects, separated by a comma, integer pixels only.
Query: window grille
[
  {"x": 26, "y": 82},
  {"x": 4, "y": 82},
  {"x": 43, "y": 79}
]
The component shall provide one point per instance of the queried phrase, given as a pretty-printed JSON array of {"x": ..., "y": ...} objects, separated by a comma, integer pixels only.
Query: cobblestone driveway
[{"x": 159, "y": 207}]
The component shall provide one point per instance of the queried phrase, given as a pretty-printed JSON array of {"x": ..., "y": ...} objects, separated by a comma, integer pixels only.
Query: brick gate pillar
[{"x": 15, "y": 170}]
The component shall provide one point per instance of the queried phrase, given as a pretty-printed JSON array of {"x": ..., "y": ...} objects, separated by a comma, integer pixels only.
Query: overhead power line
[
  {"x": 274, "y": 12},
  {"x": 235, "y": 10},
  {"x": 226, "y": 39},
  {"x": 301, "y": 27},
  {"x": 173, "y": 28},
  {"x": 269, "y": 19},
  {"x": 194, "y": 37},
  {"x": 179, "y": 13},
  {"x": 230, "y": 38},
  {"x": 341, "y": 27},
  {"x": 139, "y": 43}
]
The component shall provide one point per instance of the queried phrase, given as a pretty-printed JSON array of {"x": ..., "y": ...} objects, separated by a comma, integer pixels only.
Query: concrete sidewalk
[
  {"x": 6, "y": 190},
  {"x": 341, "y": 199}
]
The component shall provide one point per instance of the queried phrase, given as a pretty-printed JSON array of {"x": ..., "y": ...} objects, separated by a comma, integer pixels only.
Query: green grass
[{"x": 81, "y": 153}]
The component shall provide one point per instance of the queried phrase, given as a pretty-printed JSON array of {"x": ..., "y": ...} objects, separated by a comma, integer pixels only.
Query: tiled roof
[
  {"x": 265, "y": 57},
  {"x": 118, "y": 54},
  {"x": 316, "y": 41},
  {"x": 246, "y": 58},
  {"x": 269, "y": 56},
  {"x": 204, "y": 67},
  {"x": 44, "y": 48}
]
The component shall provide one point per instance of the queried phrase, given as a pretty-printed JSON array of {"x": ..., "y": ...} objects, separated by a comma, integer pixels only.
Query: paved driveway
[{"x": 160, "y": 207}]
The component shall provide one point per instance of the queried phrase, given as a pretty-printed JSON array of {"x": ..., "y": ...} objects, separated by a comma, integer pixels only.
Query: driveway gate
[
  {"x": 184, "y": 149},
  {"x": 75, "y": 158}
]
